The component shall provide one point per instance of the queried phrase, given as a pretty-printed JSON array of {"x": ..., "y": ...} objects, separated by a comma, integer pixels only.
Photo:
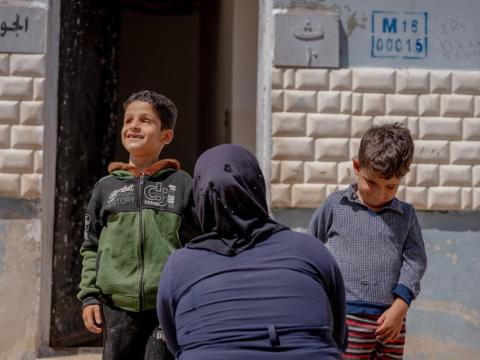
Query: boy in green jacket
[{"x": 136, "y": 217}]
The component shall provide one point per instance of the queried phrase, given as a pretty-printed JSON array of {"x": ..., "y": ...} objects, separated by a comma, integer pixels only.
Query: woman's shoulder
[
  {"x": 294, "y": 234},
  {"x": 303, "y": 246}
]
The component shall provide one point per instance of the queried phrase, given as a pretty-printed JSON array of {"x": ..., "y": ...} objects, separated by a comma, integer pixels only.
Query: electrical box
[{"x": 307, "y": 40}]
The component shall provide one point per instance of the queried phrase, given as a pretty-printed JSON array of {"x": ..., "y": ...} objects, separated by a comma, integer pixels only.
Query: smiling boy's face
[{"x": 142, "y": 134}]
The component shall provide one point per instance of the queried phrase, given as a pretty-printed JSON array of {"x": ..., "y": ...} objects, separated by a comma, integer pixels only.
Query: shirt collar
[
  {"x": 351, "y": 195},
  {"x": 149, "y": 171}
]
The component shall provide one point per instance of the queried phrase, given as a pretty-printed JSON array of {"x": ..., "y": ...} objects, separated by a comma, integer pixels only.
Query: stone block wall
[
  {"x": 22, "y": 87},
  {"x": 22, "y": 96},
  {"x": 319, "y": 116}
]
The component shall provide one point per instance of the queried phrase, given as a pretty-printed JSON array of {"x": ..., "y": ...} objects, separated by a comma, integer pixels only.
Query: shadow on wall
[
  {"x": 442, "y": 221},
  {"x": 297, "y": 219},
  {"x": 450, "y": 221}
]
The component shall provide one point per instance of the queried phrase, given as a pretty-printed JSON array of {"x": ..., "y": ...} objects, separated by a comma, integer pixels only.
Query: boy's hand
[
  {"x": 391, "y": 321},
  {"x": 92, "y": 318}
]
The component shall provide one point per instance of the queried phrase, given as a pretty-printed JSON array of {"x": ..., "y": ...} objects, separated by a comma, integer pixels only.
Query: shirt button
[{"x": 364, "y": 282}]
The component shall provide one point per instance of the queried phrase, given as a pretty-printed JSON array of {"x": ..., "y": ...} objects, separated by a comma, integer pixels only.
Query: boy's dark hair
[
  {"x": 387, "y": 149},
  {"x": 164, "y": 106}
]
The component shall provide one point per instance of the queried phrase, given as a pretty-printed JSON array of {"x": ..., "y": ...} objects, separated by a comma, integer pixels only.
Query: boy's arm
[
  {"x": 320, "y": 222},
  {"x": 166, "y": 306},
  {"x": 408, "y": 287},
  {"x": 414, "y": 263},
  {"x": 88, "y": 291}
]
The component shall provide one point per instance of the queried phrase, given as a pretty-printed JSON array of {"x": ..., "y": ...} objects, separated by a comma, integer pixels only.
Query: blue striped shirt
[{"x": 381, "y": 254}]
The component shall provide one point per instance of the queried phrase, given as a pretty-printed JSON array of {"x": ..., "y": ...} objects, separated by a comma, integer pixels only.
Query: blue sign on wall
[{"x": 399, "y": 34}]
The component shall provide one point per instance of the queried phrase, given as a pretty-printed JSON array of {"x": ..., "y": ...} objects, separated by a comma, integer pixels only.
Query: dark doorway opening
[
  {"x": 109, "y": 49},
  {"x": 159, "y": 50}
]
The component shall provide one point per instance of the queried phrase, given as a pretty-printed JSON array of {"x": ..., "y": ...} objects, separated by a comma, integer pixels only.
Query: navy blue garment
[{"x": 242, "y": 295}]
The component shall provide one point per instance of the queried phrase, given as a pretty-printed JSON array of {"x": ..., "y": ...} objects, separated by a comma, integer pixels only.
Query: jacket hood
[
  {"x": 230, "y": 201},
  {"x": 149, "y": 171}
]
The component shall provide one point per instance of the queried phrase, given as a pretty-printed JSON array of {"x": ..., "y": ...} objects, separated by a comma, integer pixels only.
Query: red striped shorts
[{"x": 362, "y": 343}]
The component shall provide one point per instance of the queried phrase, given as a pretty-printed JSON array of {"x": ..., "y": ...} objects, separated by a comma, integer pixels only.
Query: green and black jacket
[{"x": 134, "y": 221}]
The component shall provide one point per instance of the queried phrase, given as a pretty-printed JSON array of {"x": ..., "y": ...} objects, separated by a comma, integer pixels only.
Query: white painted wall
[
  {"x": 319, "y": 116},
  {"x": 244, "y": 72},
  {"x": 27, "y": 111},
  {"x": 35, "y": 3}
]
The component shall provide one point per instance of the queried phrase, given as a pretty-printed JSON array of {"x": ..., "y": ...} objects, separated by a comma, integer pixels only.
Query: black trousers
[{"x": 132, "y": 335}]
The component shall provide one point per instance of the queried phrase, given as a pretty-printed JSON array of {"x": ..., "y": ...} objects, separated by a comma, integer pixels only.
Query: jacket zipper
[{"x": 141, "y": 243}]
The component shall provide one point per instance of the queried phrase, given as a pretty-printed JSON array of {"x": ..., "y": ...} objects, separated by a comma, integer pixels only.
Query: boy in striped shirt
[{"x": 377, "y": 242}]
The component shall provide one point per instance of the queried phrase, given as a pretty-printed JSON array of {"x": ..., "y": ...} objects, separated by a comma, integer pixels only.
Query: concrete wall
[
  {"x": 444, "y": 321},
  {"x": 319, "y": 116},
  {"x": 33, "y": 3},
  {"x": 19, "y": 283},
  {"x": 451, "y": 32},
  {"x": 23, "y": 111},
  {"x": 22, "y": 87},
  {"x": 244, "y": 71},
  {"x": 22, "y": 82},
  {"x": 222, "y": 82},
  {"x": 314, "y": 119},
  {"x": 234, "y": 74}
]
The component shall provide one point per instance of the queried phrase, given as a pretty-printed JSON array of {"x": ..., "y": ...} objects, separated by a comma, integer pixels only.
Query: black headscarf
[{"x": 230, "y": 200}]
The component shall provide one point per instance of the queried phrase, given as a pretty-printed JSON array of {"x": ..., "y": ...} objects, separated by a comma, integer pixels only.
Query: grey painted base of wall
[
  {"x": 19, "y": 288},
  {"x": 20, "y": 234},
  {"x": 444, "y": 322},
  {"x": 18, "y": 208}
]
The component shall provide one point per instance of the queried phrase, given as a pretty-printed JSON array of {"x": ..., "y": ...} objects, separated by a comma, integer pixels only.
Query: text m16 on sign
[{"x": 399, "y": 34}]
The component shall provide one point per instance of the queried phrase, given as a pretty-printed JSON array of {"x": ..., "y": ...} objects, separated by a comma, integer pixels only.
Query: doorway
[
  {"x": 159, "y": 50},
  {"x": 184, "y": 49}
]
